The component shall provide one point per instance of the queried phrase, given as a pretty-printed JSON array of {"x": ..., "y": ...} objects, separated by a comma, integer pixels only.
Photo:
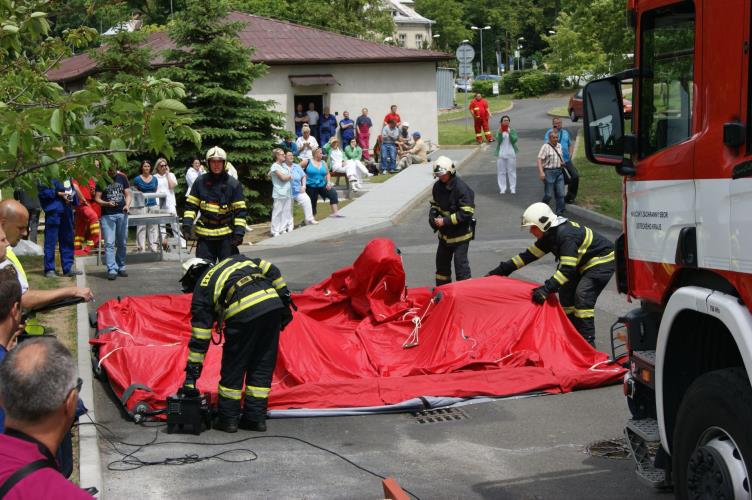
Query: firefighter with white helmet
[
  {"x": 452, "y": 216},
  {"x": 219, "y": 199},
  {"x": 586, "y": 264}
]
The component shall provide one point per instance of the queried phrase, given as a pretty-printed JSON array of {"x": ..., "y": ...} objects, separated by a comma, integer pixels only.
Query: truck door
[
  {"x": 661, "y": 196},
  {"x": 740, "y": 173}
]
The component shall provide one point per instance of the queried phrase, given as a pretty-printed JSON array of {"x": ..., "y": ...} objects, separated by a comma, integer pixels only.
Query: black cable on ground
[{"x": 132, "y": 462}]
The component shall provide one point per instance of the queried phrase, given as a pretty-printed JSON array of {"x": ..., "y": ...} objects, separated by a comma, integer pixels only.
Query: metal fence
[{"x": 444, "y": 88}]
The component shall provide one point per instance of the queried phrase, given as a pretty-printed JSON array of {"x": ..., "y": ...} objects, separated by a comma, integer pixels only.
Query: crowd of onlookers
[{"x": 322, "y": 148}]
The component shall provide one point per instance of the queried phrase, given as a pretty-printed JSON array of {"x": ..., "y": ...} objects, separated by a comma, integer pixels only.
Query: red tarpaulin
[{"x": 346, "y": 345}]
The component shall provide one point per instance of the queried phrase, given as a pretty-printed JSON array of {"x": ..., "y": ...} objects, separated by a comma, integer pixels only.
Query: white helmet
[
  {"x": 216, "y": 153},
  {"x": 540, "y": 215},
  {"x": 194, "y": 268},
  {"x": 443, "y": 165}
]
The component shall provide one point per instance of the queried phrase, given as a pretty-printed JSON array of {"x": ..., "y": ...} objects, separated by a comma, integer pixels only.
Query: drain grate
[{"x": 440, "y": 415}]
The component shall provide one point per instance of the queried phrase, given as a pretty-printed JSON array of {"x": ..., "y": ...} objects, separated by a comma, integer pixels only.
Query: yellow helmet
[
  {"x": 216, "y": 153},
  {"x": 540, "y": 215}
]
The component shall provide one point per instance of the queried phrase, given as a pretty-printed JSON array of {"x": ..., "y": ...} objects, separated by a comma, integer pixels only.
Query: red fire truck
[{"x": 686, "y": 251}]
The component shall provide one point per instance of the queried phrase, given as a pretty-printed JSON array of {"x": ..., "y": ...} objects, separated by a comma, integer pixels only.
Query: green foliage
[
  {"x": 536, "y": 83},
  {"x": 362, "y": 18},
  {"x": 218, "y": 74},
  {"x": 450, "y": 21},
  {"x": 485, "y": 87},
  {"x": 510, "y": 82},
  {"x": 591, "y": 39},
  {"x": 43, "y": 129},
  {"x": 124, "y": 57}
]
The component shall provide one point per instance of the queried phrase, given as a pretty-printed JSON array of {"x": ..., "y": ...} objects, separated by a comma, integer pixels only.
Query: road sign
[
  {"x": 465, "y": 53},
  {"x": 465, "y": 69}
]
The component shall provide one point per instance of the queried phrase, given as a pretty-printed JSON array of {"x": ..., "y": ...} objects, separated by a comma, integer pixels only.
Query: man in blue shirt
[
  {"x": 288, "y": 144},
  {"x": 346, "y": 128},
  {"x": 10, "y": 312},
  {"x": 327, "y": 126},
  {"x": 567, "y": 150}
]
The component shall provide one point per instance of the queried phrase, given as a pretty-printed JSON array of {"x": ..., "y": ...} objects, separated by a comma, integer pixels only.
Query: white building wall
[
  {"x": 410, "y": 30},
  {"x": 411, "y": 86}
]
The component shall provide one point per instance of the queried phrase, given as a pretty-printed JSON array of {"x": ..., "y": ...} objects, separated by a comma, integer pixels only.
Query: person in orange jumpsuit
[
  {"x": 86, "y": 218},
  {"x": 481, "y": 114}
]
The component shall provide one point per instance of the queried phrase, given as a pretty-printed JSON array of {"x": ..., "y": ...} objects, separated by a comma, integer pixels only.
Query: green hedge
[
  {"x": 484, "y": 87},
  {"x": 529, "y": 83}
]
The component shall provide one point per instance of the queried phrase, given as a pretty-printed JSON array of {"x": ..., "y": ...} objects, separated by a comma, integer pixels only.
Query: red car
[{"x": 575, "y": 107}]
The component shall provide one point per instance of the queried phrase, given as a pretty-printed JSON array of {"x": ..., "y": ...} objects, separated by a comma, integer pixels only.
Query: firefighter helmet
[
  {"x": 540, "y": 215},
  {"x": 216, "y": 153},
  {"x": 443, "y": 165},
  {"x": 194, "y": 269}
]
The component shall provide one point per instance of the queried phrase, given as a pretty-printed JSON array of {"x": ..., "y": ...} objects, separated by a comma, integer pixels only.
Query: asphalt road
[{"x": 531, "y": 448}]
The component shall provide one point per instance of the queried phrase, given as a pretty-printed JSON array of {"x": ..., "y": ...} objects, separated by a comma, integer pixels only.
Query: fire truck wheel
[{"x": 712, "y": 445}]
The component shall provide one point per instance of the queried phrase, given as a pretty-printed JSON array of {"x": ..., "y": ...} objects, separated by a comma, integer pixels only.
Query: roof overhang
[{"x": 309, "y": 80}]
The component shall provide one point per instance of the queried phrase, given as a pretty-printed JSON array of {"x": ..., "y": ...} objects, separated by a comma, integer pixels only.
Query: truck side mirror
[{"x": 604, "y": 122}]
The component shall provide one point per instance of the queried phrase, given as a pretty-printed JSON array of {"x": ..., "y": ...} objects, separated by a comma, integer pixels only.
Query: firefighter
[
  {"x": 250, "y": 303},
  {"x": 481, "y": 113},
  {"x": 218, "y": 198},
  {"x": 86, "y": 217},
  {"x": 452, "y": 216},
  {"x": 586, "y": 264}
]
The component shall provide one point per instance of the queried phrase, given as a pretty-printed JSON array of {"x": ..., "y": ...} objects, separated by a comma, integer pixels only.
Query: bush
[
  {"x": 484, "y": 87},
  {"x": 510, "y": 82},
  {"x": 536, "y": 83}
]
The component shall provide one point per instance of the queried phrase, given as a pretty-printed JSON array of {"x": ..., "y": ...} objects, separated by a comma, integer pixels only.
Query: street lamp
[
  {"x": 481, "y": 43},
  {"x": 519, "y": 57},
  {"x": 436, "y": 39}
]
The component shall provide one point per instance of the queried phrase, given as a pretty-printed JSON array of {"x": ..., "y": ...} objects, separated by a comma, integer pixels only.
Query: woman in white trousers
[
  {"x": 506, "y": 153},
  {"x": 299, "y": 194},
  {"x": 281, "y": 193},
  {"x": 338, "y": 164}
]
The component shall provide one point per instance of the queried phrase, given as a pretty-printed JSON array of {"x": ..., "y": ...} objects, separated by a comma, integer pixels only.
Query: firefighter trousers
[
  {"x": 578, "y": 297},
  {"x": 481, "y": 129},
  {"x": 215, "y": 250},
  {"x": 444, "y": 255},
  {"x": 250, "y": 353}
]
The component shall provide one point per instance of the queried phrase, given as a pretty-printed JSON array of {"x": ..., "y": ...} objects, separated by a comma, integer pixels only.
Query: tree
[
  {"x": 572, "y": 53},
  {"x": 125, "y": 57},
  {"x": 44, "y": 128},
  {"x": 362, "y": 18},
  {"x": 218, "y": 74},
  {"x": 448, "y": 15}
]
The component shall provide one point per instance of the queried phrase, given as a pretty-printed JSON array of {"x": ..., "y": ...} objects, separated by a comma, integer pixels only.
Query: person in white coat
[{"x": 281, "y": 193}]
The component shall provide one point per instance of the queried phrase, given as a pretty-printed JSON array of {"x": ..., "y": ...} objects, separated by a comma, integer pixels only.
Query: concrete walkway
[{"x": 380, "y": 207}]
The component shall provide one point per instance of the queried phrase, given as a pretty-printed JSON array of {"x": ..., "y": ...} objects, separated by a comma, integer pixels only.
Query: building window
[
  {"x": 419, "y": 40},
  {"x": 402, "y": 37}
]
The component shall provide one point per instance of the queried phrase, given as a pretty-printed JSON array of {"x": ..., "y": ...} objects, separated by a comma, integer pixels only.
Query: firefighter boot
[
  {"x": 252, "y": 425},
  {"x": 226, "y": 424}
]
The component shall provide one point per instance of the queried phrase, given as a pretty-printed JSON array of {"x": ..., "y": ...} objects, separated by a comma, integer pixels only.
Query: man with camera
[{"x": 115, "y": 200}]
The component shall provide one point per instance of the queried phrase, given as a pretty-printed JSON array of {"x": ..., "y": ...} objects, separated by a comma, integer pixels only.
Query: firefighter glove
[
  {"x": 540, "y": 294},
  {"x": 192, "y": 374},
  {"x": 503, "y": 269},
  {"x": 285, "y": 318},
  {"x": 187, "y": 231}
]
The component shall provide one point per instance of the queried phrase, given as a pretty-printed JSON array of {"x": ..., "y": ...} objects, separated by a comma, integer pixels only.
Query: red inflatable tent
[{"x": 361, "y": 339}]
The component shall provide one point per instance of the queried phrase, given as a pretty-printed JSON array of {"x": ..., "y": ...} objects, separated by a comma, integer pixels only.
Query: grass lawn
[
  {"x": 559, "y": 111},
  {"x": 496, "y": 103},
  {"x": 61, "y": 322},
  {"x": 455, "y": 134},
  {"x": 600, "y": 185}
]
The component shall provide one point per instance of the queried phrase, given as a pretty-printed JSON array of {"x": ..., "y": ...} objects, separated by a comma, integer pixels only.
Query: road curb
[
  {"x": 423, "y": 194},
  {"x": 594, "y": 216},
  {"x": 90, "y": 461}
]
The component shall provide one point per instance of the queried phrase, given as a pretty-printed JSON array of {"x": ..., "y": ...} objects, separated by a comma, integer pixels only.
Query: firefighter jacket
[
  {"x": 219, "y": 199},
  {"x": 238, "y": 289},
  {"x": 455, "y": 202},
  {"x": 479, "y": 108},
  {"x": 577, "y": 248}
]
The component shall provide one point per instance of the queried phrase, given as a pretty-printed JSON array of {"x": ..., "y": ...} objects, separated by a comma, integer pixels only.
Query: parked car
[
  {"x": 495, "y": 78},
  {"x": 576, "y": 112},
  {"x": 463, "y": 85}
]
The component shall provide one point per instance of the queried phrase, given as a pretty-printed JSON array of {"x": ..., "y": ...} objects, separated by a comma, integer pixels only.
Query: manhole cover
[
  {"x": 440, "y": 415},
  {"x": 616, "y": 449}
]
